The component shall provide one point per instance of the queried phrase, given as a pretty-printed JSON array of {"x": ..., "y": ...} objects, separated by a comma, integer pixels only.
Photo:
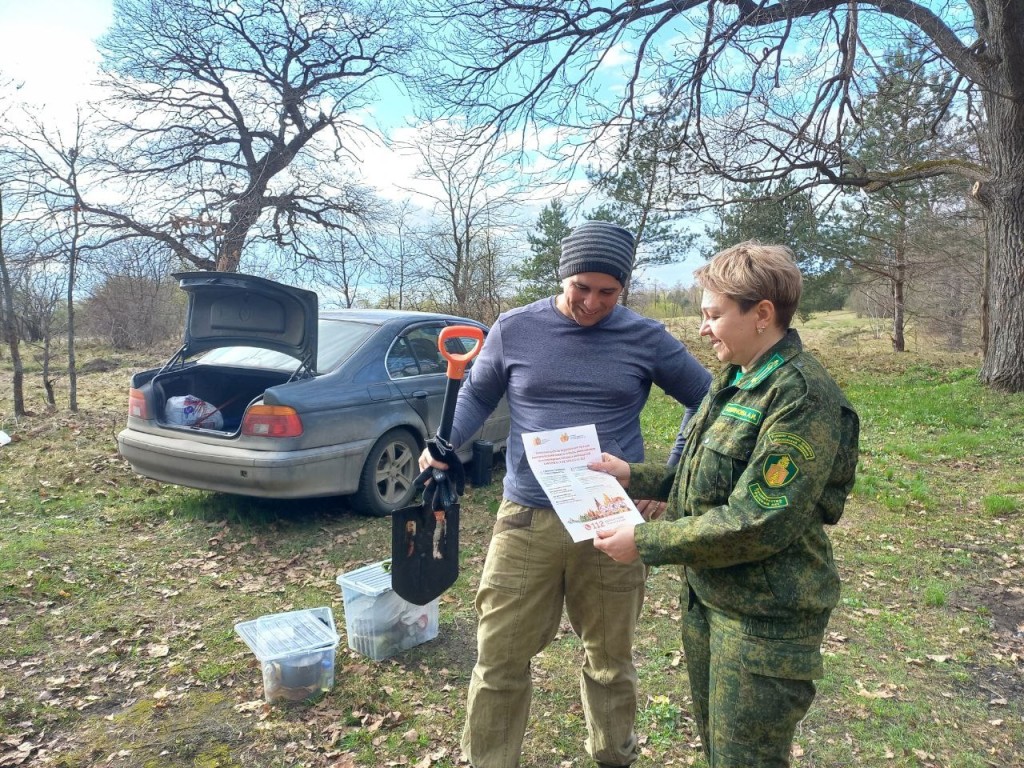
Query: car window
[
  {"x": 400, "y": 361},
  {"x": 336, "y": 341},
  {"x": 250, "y": 357},
  {"x": 416, "y": 353}
]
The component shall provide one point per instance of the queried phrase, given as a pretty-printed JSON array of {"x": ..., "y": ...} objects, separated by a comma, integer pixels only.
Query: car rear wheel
[{"x": 386, "y": 483}]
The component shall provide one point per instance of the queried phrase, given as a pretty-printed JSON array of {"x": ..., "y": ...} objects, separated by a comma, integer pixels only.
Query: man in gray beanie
[
  {"x": 573, "y": 359},
  {"x": 597, "y": 246}
]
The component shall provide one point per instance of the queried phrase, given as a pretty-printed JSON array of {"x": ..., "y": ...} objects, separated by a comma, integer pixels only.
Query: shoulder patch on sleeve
[
  {"x": 795, "y": 441},
  {"x": 778, "y": 470},
  {"x": 760, "y": 495}
]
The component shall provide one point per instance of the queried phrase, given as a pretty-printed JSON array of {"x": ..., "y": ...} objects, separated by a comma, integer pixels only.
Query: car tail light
[
  {"x": 271, "y": 421},
  {"x": 137, "y": 407}
]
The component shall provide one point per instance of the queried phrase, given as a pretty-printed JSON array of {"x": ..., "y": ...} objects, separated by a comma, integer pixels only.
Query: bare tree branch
[
  {"x": 233, "y": 122},
  {"x": 771, "y": 87}
]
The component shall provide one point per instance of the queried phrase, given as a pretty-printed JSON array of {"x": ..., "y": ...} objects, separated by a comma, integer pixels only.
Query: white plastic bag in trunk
[{"x": 191, "y": 411}]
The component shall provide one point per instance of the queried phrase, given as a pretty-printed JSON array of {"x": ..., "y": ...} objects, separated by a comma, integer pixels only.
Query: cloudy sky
[
  {"x": 49, "y": 48},
  {"x": 48, "y": 45}
]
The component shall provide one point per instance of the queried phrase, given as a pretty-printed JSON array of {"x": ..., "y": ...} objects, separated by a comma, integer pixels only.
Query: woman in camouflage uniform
[{"x": 769, "y": 461}]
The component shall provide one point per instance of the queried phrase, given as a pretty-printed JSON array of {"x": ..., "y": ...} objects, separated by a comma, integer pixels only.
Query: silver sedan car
[{"x": 267, "y": 397}]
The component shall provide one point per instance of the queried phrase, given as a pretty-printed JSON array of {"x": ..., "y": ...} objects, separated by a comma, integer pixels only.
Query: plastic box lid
[
  {"x": 286, "y": 634},
  {"x": 372, "y": 580}
]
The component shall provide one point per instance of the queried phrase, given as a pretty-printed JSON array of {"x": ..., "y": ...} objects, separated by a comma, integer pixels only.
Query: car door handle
[{"x": 421, "y": 394}]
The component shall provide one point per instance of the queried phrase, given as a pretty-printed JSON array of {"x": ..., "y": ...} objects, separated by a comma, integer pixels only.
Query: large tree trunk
[
  {"x": 1003, "y": 198},
  {"x": 1003, "y": 366},
  {"x": 244, "y": 214}
]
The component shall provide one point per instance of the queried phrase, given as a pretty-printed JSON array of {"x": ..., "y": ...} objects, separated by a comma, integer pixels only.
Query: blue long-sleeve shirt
[{"x": 556, "y": 373}]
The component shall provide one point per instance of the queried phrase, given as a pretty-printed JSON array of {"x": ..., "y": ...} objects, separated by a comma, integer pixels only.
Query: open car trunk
[
  {"x": 227, "y": 310},
  {"x": 227, "y": 391}
]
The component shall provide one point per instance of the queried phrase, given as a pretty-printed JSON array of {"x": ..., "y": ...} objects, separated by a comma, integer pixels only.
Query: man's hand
[
  {"x": 426, "y": 460},
  {"x": 619, "y": 545},
  {"x": 439, "y": 457}
]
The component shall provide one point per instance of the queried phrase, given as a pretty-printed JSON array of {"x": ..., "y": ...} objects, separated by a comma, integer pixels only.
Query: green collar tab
[{"x": 772, "y": 364}]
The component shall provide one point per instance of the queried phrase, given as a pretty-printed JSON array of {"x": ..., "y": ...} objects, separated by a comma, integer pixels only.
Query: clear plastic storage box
[
  {"x": 296, "y": 652},
  {"x": 378, "y": 622}
]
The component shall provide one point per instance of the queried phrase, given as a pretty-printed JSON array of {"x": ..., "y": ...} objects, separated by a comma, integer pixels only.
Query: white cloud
[{"x": 49, "y": 47}]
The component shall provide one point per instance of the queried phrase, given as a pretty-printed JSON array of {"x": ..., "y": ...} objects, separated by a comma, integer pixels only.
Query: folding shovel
[{"x": 425, "y": 537}]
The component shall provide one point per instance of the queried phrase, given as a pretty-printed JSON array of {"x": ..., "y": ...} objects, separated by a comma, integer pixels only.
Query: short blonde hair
[{"x": 750, "y": 272}]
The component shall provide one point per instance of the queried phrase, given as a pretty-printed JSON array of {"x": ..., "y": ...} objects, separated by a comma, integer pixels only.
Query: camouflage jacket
[{"x": 769, "y": 461}]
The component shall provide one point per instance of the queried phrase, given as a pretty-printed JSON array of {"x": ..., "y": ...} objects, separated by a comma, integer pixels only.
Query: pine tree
[
  {"x": 539, "y": 274},
  {"x": 784, "y": 216}
]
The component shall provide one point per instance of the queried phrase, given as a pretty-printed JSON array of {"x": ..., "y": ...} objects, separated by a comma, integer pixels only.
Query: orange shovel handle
[{"x": 457, "y": 362}]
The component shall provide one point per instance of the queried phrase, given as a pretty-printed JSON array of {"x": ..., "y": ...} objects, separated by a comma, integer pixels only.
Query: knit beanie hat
[{"x": 597, "y": 246}]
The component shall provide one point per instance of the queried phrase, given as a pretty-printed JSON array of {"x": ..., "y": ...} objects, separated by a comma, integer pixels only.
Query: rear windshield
[{"x": 336, "y": 341}]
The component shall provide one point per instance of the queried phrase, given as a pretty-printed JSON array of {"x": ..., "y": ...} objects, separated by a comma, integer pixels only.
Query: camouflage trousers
[
  {"x": 533, "y": 569},
  {"x": 749, "y": 692}
]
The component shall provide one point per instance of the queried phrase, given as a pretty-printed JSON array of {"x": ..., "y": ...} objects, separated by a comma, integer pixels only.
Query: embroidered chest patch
[
  {"x": 743, "y": 413},
  {"x": 779, "y": 470}
]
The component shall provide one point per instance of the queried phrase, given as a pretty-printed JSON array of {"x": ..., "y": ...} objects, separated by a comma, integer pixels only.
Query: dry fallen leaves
[{"x": 886, "y": 691}]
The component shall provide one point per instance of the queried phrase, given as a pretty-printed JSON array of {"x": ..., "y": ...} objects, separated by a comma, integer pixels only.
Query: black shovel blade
[{"x": 424, "y": 559}]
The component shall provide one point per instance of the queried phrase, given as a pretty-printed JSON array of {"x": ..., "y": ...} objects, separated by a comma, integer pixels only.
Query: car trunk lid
[{"x": 228, "y": 309}]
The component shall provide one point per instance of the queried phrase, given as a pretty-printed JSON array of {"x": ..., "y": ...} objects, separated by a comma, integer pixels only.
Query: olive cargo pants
[{"x": 533, "y": 568}]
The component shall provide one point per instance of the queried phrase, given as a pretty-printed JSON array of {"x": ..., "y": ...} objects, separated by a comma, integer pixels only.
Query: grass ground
[{"x": 118, "y": 598}]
